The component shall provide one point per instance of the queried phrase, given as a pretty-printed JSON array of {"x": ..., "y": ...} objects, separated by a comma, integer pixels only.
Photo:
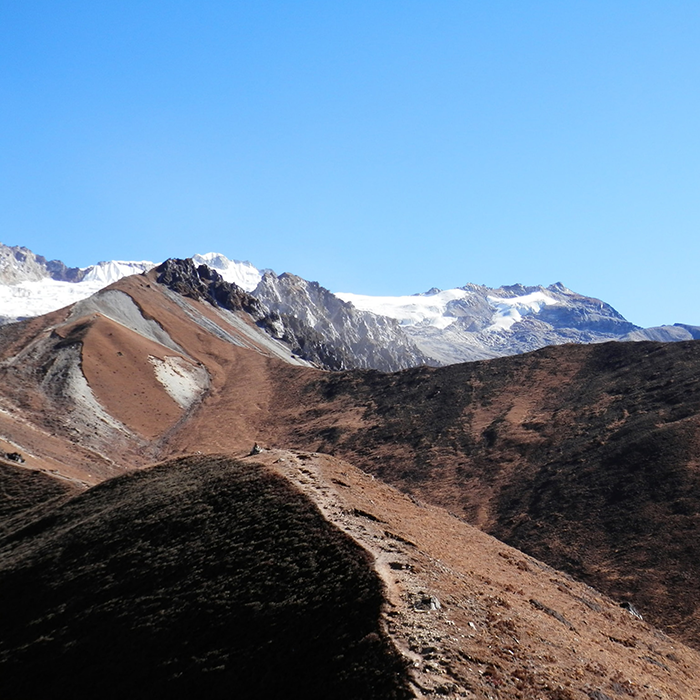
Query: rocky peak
[
  {"x": 365, "y": 339},
  {"x": 19, "y": 264},
  {"x": 204, "y": 283}
]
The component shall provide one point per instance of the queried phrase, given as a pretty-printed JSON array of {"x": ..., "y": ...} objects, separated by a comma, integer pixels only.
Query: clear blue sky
[{"x": 380, "y": 147}]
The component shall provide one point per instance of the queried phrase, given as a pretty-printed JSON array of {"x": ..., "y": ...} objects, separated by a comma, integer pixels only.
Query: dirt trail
[{"x": 477, "y": 619}]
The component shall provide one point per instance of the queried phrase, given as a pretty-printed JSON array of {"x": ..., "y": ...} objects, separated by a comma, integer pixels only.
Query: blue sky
[{"x": 380, "y": 147}]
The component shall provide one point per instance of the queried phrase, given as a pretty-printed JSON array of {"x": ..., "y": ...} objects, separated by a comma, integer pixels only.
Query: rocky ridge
[
  {"x": 19, "y": 264},
  {"x": 345, "y": 331},
  {"x": 368, "y": 340},
  {"x": 204, "y": 283}
]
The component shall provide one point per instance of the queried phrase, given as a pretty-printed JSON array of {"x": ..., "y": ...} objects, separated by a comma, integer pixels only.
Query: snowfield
[
  {"x": 435, "y": 309},
  {"x": 28, "y": 299},
  {"x": 414, "y": 310},
  {"x": 511, "y": 310}
]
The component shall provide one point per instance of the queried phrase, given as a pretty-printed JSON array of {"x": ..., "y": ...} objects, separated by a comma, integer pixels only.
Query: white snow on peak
[
  {"x": 510, "y": 310},
  {"x": 241, "y": 273},
  {"x": 37, "y": 297},
  {"x": 416, "y": 310},
  {"x": 432, "y": 308},
  {"x": 107, "y": 272}
]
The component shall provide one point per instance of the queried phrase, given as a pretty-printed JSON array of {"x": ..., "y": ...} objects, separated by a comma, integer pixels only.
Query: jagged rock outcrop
[
  {"x": 361, "y": 338},
  {"x": 201, "y": 282},
  {"x": 342, "y": 338}
]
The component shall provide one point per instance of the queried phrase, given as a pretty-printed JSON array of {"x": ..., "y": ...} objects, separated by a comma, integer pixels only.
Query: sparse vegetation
[{"x": 199, "y": 578}]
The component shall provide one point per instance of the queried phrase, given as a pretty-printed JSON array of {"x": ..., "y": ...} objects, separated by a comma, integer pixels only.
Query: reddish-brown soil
[
  {"x": 507, "y": 626},
  {"x": 585, "y": 457},
  {"x": 112, "y": 352}
]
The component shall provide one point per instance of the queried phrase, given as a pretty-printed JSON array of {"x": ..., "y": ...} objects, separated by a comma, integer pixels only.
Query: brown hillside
[
  {"x": 583, "y": 456},
  {"x": 586, "y": 457},
  {"x": 214, "y": 576}
]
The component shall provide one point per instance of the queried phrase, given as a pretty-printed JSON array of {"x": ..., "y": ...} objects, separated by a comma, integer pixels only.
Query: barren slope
[
  {"x": 584, "y": 456},
  {"x": 96, "y": 389}
]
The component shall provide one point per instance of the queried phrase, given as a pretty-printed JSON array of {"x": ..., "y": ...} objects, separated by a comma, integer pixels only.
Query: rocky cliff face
[
  {"x": 364, "y": 339},
  {"x": 203, "y": 283}
]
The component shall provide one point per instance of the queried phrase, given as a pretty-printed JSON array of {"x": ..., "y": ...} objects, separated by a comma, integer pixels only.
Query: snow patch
[
  {"x": 434, "y": 308},
  {"x": 183, "y": 381},
  {"x": 105, "y": 273},
  {"x": 416, "y": 310},
  {"x": 510, "y": 310},
  {"x": 38, "y": 297}
]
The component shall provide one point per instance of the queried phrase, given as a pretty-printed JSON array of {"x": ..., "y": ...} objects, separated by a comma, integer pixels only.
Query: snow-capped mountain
[
  {"x": 476, "y": 322},
  {"x": 438, "y": 327},
  {"x": 31, "y": 286}
]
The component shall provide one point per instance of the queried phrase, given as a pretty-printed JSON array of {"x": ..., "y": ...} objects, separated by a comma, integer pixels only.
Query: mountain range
[
  {"x": 438, "y": 327},
  {"x": 204, "y": 490}
]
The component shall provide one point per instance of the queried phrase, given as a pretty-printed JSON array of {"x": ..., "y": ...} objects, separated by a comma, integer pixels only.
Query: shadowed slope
[
  {"x": 203, "y": 577},
  {"x": 22, "y": 489}
]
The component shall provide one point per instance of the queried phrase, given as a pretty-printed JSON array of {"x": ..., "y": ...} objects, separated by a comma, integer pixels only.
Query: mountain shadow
[{"x": 202, "y": 577}]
